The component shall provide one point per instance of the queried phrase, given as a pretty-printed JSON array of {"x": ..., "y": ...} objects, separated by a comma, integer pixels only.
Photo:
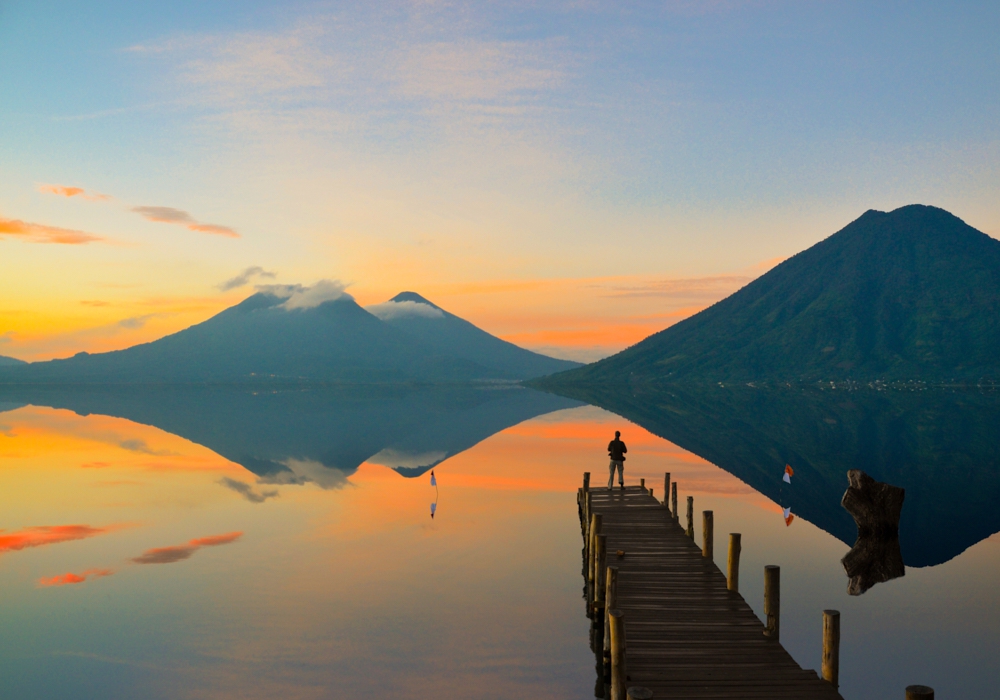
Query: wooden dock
[{"x": 686, "y": 634}]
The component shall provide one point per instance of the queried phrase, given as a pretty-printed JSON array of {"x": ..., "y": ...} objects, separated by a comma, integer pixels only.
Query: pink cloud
[
  {"x": 40, "y": 233},
  {"x": 71, "y": 578},
  {"x": 64, "y": 191},
  {"x": 169, "y": 215},
  {"x": 169, "y": 555}
]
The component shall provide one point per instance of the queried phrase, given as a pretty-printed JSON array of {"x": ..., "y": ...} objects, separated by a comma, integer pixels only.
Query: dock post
[
  {"x": 831, "y": 647},
  {"x": 919, "y": 692},
  {"x": 618, "y": 690},
  {"x": 639, "y": 693},
  {"x": 772, "y": 601},
  {"x": 600, "y": 561},
  {"x": 673, "y": 499},
  {"x": 707, "y": 529},
  {"x": 610, "y": 601},
  {"x": 666, "y": 491},
  {"x": 642, "y": 483},
  {"x": 690, "y": 527},
  {"x": 733, "y": 574},
  {"x": 595, "y": 530},
  {"x": 651, "y": 491},
  {"x": 586, "y": 481}
]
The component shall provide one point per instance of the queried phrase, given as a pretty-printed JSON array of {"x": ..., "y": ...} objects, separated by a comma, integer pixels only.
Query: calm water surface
[{"x": 137, "y": 563}]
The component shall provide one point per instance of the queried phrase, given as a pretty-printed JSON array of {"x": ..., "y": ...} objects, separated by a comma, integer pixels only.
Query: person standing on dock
[{"x": 617, "y": 450}]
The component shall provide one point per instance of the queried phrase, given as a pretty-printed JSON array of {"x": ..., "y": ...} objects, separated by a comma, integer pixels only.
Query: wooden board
[{"x": 687, "y": 635}]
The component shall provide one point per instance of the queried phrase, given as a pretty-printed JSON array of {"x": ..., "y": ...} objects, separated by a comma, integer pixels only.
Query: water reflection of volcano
[
  {"x": 319, "y": 435},
  {"x": 939, "y": 445}
]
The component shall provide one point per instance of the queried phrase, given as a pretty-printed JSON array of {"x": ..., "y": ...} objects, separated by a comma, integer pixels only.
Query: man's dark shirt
[{"x": 617, "y": 450}]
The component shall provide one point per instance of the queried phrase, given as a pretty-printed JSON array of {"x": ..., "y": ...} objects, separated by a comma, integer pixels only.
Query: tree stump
[{"x": 876, "y": 508}]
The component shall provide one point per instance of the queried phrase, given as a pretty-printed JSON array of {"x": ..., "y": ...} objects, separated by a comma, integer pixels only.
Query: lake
[{"x": 271, "y": 543}]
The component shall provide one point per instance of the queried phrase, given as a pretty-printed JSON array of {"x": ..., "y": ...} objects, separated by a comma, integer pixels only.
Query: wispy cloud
[
  {"x": 169, "y": 555},
  {"x": 41, "y": 233},
  {"x": 169, "y": 215},
  {"x": 139, "y": 446},
  {"x": 309, "y": 297},
  {"x": 403, "y": 309},
  {"x": 48, "y": 534},
  {"x": 66, "y": 191},
  {"x": 243, "y": 279},
  {"x": 134, "y": 322},
  {"x": 247, "y": 491},
  {"x": 71, "y": 578}
]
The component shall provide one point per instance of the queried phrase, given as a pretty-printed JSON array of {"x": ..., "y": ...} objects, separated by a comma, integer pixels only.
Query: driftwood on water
[{"x": 876, "y": 508}]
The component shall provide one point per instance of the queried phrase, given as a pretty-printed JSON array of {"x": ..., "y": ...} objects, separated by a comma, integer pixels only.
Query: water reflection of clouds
[
  {"x": 247, "y": 491},
  {"x": 170, "y": 555},
  {"x": 42, "y": 535}
]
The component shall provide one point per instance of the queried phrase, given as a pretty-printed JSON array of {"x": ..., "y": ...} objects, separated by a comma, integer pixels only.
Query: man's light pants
[{"x": 621, "y": 472}]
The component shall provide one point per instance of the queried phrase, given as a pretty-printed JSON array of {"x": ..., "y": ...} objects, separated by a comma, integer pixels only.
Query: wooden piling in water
[
  {"x": 599, "y": 575},
  {"x": 707, "y": 531},
  {"x": 831, "y": 647},
  {"x": 919, "y": 692},
  {"x": 772, "y": 601},
  {"x": 733, "y": 570},
  {"x": 666, "y": 491},
  {"x": 690, "y": 527},
  {"x": 673, "y": 499},
  {"x": 610, "y": 601},
  {"x": 595, "y": 530},
  {"x": 618, "y": 683}
]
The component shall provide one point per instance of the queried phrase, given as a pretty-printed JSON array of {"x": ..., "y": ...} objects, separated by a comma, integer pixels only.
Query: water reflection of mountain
[
  {"x": 315, "y": 434},
  {"x": 941, "y": 447}
]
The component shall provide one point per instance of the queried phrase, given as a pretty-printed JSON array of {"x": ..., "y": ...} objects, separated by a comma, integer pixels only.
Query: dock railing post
[
  {"x": 831, "y": 647},
  {"x": 690, "y": 527},
  {"x": 919, "y": 692},
  {"x": 706, "y": 534},
  {"x": 772, "y": 601},
  {"x": 733, "y": 573},
  {"x": 618, "y": 689},
  {"x": 673, "y": 499},
  {"x": 666, "y": 491},
  {"x": 610, "y": 601},
  {"x": 595, "y": 530},
  {"x": 599, "y": 576}
]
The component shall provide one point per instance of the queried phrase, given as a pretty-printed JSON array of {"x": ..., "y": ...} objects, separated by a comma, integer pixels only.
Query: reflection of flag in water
[
  {"x": 788, "y": 516},
  {"x": 434, "y": 483},
  {"x": 787, "y": 478}
]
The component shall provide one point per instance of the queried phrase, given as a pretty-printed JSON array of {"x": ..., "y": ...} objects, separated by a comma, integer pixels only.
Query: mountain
[
  {"x": 296, "y": 334},
  {"x": 909, "y": 294},
  {"x": 448, "y": 334},
  {"x": 315, "y": 433},
  {"x": 939, "y": 445},
  {"x": 10, "y": 361}
]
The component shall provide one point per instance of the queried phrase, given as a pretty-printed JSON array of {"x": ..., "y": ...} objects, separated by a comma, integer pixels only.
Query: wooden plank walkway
[{"x": 687, "y": 635}]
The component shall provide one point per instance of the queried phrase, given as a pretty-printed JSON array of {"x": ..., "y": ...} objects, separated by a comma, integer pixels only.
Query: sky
[{"x": 570, "y": 176}]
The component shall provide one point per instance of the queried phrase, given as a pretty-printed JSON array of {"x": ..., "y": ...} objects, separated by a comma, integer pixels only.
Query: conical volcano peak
[
  {"x": 414, "y": 297},
  {"x": 909, "y": 294}
]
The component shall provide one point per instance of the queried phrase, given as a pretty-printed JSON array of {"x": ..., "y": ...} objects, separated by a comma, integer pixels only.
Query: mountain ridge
[
  {"x": 908, "y": 294},
  {"x": 268, "y": 338}
]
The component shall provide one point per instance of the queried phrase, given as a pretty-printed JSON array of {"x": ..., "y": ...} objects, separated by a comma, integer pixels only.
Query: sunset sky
[{"x": 571, "y": 176}]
